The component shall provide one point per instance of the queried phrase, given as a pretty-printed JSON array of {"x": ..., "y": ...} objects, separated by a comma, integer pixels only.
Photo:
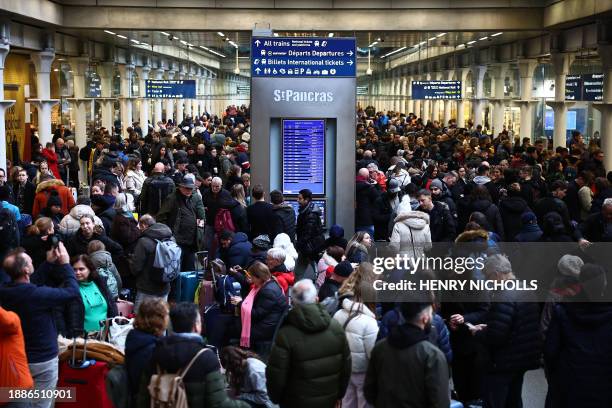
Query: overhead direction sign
[
  {"x": 309, "y": 57},
  {"x": 161, "y": 88},
  {"x": 436, "y": 89}
]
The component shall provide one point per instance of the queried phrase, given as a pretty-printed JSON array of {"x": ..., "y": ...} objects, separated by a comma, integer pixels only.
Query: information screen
[
  {"x": 180, "y": 89},
  {"x": 585, "y": 87},
  {"x": 549, "y": 120},
  {"x": 322, "y": 204},
  {"x": 93, "y": 86},
  {"x": 303, "y": 155},
  {"x": 436, "y": 89}
]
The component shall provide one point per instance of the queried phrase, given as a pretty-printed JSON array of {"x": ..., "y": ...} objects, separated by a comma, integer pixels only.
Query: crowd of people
[{"x": 286, "y": 313}]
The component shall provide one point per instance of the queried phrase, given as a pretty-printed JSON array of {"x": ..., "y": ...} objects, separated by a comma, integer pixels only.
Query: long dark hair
[{"x": 233, "y": 360}]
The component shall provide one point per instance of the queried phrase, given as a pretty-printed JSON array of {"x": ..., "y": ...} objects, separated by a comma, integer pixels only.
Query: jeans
[
  {"x": 141, "y": 297},
  {"x": 45, "y": 376},
  {"x": 503, "y": 390},
  {"x": 353, "y": 398}
]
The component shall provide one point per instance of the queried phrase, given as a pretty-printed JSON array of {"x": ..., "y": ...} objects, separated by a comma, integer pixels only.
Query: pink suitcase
[{"x": 125, "y": 308}]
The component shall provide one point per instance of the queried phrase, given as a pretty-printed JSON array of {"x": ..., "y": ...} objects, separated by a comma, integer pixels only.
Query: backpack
[
  {"x": 331, "y": 304},
  {"x": 168, "y": 390},
  {"x": 223, "y": 221},
  {"x": 158, "y": 189},
  {"x": 167, "y": 260},
  {"x": 9, "y": 229},
  {"x": 109, "y": 279}
]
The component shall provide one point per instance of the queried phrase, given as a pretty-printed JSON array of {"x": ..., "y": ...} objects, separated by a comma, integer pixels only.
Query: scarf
[{"x": 245, "y": 317}]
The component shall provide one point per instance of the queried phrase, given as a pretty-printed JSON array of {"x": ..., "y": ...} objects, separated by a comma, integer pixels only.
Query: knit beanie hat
[
  {"x": 336, "y": 231},
  {"x": 262, "y": 242},
  {"x": 528, "y": 218},
  {"x": 569, "y": 265},
  {"x": 344, "y": 269},
  {"x": 435, "y": 183}
]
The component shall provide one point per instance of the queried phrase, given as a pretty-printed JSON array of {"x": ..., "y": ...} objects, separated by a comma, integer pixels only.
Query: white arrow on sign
[
  {"x": 350, "y": 53},
  {"x": 350, "y": 62},
  {"x": 257, "y": 70},
  {"x": 257, "y": 42}
]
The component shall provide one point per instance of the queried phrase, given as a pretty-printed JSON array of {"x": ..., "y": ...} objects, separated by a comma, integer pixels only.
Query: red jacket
[
  {"x": 284, "y": 279},
  {"x": 51, "y": 158},
  {"x": 14, "y": 370},
  {"x": 42, "y": 194}
]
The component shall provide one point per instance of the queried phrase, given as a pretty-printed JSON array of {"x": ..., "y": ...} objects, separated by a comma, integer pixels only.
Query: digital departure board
[
  {"x": 179, "y": 89},
  {"x": 585, "y": 87},
  {"x": 93, "y": 86},
  {"x": 436, "y": 89},
  {"x": 322, "y": 204},
  {"x": 303, "y": 155}
]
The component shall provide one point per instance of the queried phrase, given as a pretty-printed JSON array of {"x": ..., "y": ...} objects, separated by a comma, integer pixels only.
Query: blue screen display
[
  {"x": 549, "y": 120},
  {"x": 303, "y": 155},
  {"x": 180, "y": 89},
  {"x": 436, "y": 89},
  {"x": 322, "y": 204}
]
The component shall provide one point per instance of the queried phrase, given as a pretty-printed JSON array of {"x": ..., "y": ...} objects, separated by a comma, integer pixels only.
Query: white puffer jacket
[
  {"x": 411, "y": 233},
  {"x": 283, "y": 241},
  {"x": 361, "y": 332},
  {"x": 72, "y": 221}
]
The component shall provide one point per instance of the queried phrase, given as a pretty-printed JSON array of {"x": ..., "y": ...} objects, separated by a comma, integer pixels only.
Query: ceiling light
[
  {"x": 422, "y": 43},
  {"x": 276, "y": 34},
  {"x": 373, "y": 44},
  {"x": 135, "y": 41},
  {"x": 70, "y": 71},
  {"x": 190, "y": 44},
  {"x": 496, "y": 34},
  {"x": 431, "y": 39},
  {"x": 441, "y": 35},
  {"x": 369, "y": 71},
  {"x": 330, "y": 34},
  {"x": 483, "y": 38},
  {"x": 471, "y": 42},
  {"x": 393, "y": 52},
  {"x": 183, "y": 42},
  {"x": 145, "y": 44},
  {"x": 164, "y": 33},
  {"x": 220, "y": 34},
  {"x": 109, "y": 32},
  {"x": 122, "y": 36},
  {"x": 461, "y": 46},
  {"x": 55, "y": 69}
]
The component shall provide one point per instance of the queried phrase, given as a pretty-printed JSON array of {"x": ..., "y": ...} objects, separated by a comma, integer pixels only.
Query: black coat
[
  {"x": 28, "y": 196},
  {"x": 513, "y": 333},
  {"x": 262, "y": 220},
  {"x": 578, "y": 355},
  {"x": 286, "y": 219},
  {"x": 511, "y": 208},
  {"x": 490, "y": 211},
  {"x": 77, "y": 244},
  {"x": 365, "y": 199},
  {"x": 594, "y": 230},
  {"x": 441, "y": 223},
  {"x": 268, "y": 308},
  {"x": 309, "y": 231}
]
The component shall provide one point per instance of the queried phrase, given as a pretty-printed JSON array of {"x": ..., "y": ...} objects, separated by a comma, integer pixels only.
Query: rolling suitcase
[
  {"x": 87, "y": 378},
  {"x": 125, "y": 308},
  {"x": 187, "y": 285}
]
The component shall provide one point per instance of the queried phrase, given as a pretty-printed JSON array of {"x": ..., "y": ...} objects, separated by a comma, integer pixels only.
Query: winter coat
[
  {"x": 283, "y": 242},
  {"x": 71, "y": 222},
  {"x": 284, "y": 278},
  {"x": 204, "y": 384},
  {"x": 361, "y": 331},
  {"x": 51, "y": 158},
  {"x": 411, "y": 233},
  {"x": 77, "y": 244},
  {"x": 29, "y": 191},
  {"x": 286, "y": 217},
  {"x": 529, "y": 233},
  {"x": 268, "y": 308},
  {"x": 441, "y": 223},
  {"x": 385, "y": 210},
  {"x": 594, "y": 229},
  {"x": 42, "y": 194},
  {"x": 492, "y": 213},
  {"x": 365, "y": 196},
  {"x": 238, "y": 253},
  {"x": 357, "y": 253},
  {"x": 510, "y": 209},
  {"x": 323, "y": 268},
  {"x": 107, "y": 216},
  {"x": 134, "y": 181},
  {"x": 14, "y": 369},
  {"x": 578, "y": 355},
  {"x": 254, "y": 389},
  {"x": 124, "y": 230},
  {"x": 310, "y": 361},
  {"x": 309, "y": 231},
  {"x": 512, "y": 335},
  {"x": 103, "y": 259},
  {"x": 170, "y": 214},
  {"x": 139, "y": 348},
  {"x": 262, "y": 220},
  {"x": 144, "y": 256},
  {"x": 406, "y": 370}
]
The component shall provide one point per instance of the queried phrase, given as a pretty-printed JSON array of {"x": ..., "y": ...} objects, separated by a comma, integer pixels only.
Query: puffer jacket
[
  {"x": 310, "y": 362},
  {"x": 71, "y": 223},
  {"x": 361, "y": 332},
  {"x": 411, "y": 232},
  {"x": 103, "y": 259},
  {"x": 144, "y": 256},
  {"x": 43, "y": 191},
  {"x": 134, "y": 181},
  {"x": 238, "y": 253},
  {"x": 511, "y": 209},
  {"x": 490, "y": 211},
  {"x": 286, "y": 216},
  {"x": 268, "y": 308},
  {"x": 283, "y": 242}
]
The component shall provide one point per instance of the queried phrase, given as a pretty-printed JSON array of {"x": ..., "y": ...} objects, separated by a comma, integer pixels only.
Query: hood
[
  {"x": 480, "y": 180},
  {"x": 284, "y": 207},
  {"x": 138, "y": 340},
  {"x": 481, "y": 205},
  {"x": 80, "y": 210},
  {"x": 283, "y": 241},
  {"x": 413, "y": 219},
  {"x": 405, "y": 336},
  {"x": 158, "y": 231},
  {"x": 101, "y": 258},
  {"x": 516, "y": 205},
  {"x": 311, "y": 318},
  {"x": 49, "y": 184},
  {"x": 351, "y": 306},
  {"x": 328, "y": 259},
  {"x": 239, "y": 238},
  {"x": 474, "y": 235}
]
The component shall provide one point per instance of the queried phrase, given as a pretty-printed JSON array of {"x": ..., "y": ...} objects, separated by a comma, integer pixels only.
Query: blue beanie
[
  {"x": 528, "y": 218},
  {"x": 336, "y": 231}
]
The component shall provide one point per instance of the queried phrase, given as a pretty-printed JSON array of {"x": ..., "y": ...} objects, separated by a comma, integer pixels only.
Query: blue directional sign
[
  {"x": 300, "y": 57},
  {"x": 436, "y": 89},
  {"x": 160, "y": 88}
]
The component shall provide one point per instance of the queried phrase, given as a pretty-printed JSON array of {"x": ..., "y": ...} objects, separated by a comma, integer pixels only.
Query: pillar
[
  {"x": 42, "y": 64},
  {"x": 106, "y": 70},
  {"x": 126, "y": 72},
  {"x": 561, "y": 63},
  {"x": 461, "y": 74},
  {"x": 170, "y": 102},
  {"x": 143, "y": 75},
  {"x": 208, "y": 92},
  {"x": 498, "y": 77},
  {"x": 80, "y": 104},
  {"x": 4, "y": 104},
  {"x": 605, "y": 53},
  {"x": 478, "y": 103},
  {"x": 526, "y": 67},
  {"x": 157, "y": 102},
  {"x": 180, "y": 107}
]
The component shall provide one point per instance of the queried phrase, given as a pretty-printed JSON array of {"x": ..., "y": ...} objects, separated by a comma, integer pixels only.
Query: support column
[
  {"x": 478, "y": 103},
  {"x": 80, "y": 104},
  {"x": 605, "y": 53},
  {"x": 42, "y": 63},
  {"x": 170, "y": 102},
  {"x": 461, "y": 74},
  {"x": 180, "y": 108},
  {"x": 157, "y": 102},
  {"x": 498, "y": 77},
  {"x": 561, "y": 64},
  {"x": 143, "y": 75},
  {"x": 526, "y": 67},
  {"x": 106, "y": 70},
  {"x": 126, "y": 72},
  {"x": 4, "y": 104},
  {"x": 208, "y": 92}
]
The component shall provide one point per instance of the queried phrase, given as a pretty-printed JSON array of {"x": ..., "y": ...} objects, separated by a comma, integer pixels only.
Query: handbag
[{"x": 115, "y": 330}]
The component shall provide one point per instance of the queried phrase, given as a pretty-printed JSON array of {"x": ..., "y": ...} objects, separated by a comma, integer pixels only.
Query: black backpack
[
  {"x": 9, "y": 230},
  {"x": 158, "y": 189}
]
